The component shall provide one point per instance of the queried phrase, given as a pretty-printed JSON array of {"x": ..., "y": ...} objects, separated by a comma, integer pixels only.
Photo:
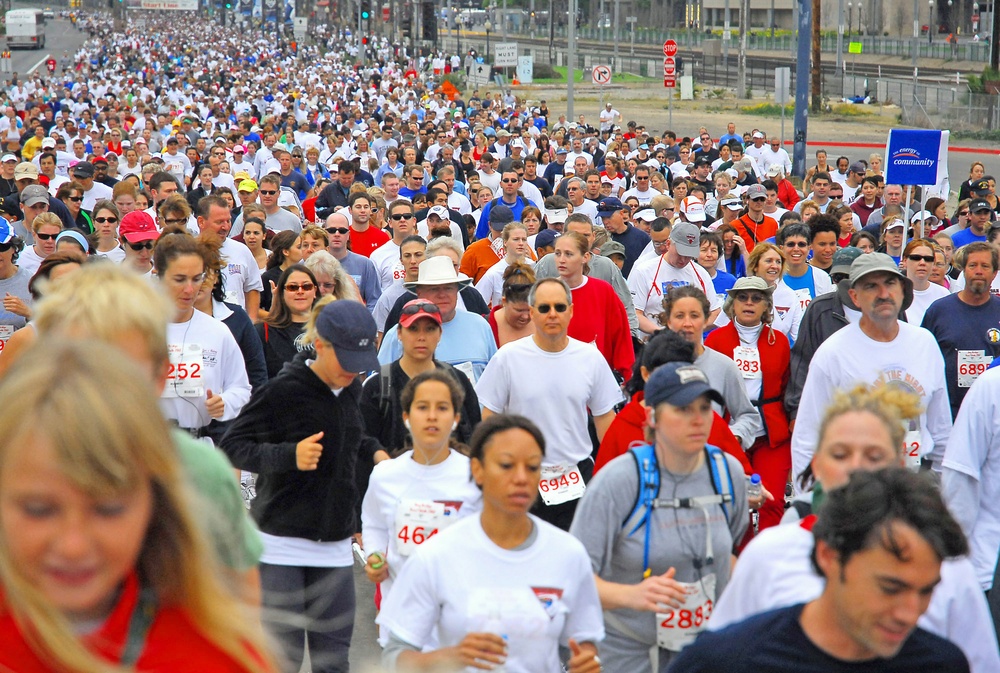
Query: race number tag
[
  {"x": 747, "y": 360},
  {"x": 6, "y": 332},
  {"x": 468, "y": 369},
  {"x": 804, "y": 297},
  {"x": 677, "y": 628},
  {"x": 416, "y": 522},
  {"x": 184, "y": 378},
  {"x": 561, "y": 483},
  {"x": 912, "y": 448},
  {"x": 971, "y": 365}
]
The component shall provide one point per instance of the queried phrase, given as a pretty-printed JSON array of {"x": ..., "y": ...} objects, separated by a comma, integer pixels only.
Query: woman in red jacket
[
  {"x": 629, "y": 427},
  {"x": 762, "y": 356}
]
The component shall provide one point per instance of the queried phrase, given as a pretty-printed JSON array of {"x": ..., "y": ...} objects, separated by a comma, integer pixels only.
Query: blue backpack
[{"x": 648, "y": 497}]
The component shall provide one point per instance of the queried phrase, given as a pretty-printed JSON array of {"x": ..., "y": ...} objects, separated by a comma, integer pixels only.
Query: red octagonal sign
[{"x": 670, "y": 48}]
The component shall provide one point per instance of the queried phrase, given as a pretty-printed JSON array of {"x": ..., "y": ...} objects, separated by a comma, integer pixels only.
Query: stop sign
[{"x": 670, "y": 48}]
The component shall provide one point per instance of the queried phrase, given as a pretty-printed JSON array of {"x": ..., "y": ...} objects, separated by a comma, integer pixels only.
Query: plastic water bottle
[
  {"x": 755, "y": 489},
  {"x": 494, "y": 624}
]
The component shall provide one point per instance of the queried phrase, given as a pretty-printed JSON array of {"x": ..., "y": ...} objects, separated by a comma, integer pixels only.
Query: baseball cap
[
  {"x": 137, "y": 227},
  {"x": 26, "y": 171},
  {"x": 744, "y": 165},
  {"x": 843, "y": 258},
  {"x": 979, "y": 204},
  {"x": 556, "y": 215},
  {"x": 731, "y": 202},
  {"x": 646, "y": 215},
  {"x": 774, "y": 170},
  {"x": 702, "y": 161},
  {"x": 756, "y": 192},
  {"x": 83, "y": 169},
  {"x": 247, "y": 186},
  {"x": 442, "y": 212},
  {"x": 416, "y": 309},
  {"x": 349, "y": 327},
  {"x": 612, "y": 248},
  {"x": 980, "y": 187},
  {"x": 678, "y": 384},
  {"x": 7, "y": 233},
  {"x": 48, "y": 142},
  {"x": 609, "y": 206},
  {"x": 545, "y": 238},
  {"x": 857, "y": 167},
  {"x": 896, "y": 224},
  {"x": 686, "y": 238},
  {"x": 500, "y": 216},
  {"x": 33, "y": 195},
  {"x": 240, "y": 149},
  {"x": 876, "y": 262},
  {"x": 694, "y": 211},
  {"x": 562, "y": 150},
  {"x": 757, "y": 134},
  {"x": 8, "y": 157}
]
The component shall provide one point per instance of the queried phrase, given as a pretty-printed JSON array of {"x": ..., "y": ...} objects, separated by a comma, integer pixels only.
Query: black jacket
[{"x": 320, "y": 504}]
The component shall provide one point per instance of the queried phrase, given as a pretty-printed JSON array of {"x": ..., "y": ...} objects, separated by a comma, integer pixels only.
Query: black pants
[
  {"x": 561, "y": 515},
  {"x": 314, "y": 605}
]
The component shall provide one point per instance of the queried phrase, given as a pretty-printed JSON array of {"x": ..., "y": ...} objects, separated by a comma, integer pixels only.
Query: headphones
[{"x": 406, "y": 423}]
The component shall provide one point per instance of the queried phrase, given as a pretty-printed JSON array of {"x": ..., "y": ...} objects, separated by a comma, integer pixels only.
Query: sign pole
[{"x": 906, "y": 213}]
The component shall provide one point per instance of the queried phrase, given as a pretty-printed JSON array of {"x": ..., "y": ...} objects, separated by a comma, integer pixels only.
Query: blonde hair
[
  {"x": 758, "y": 252},
  {"x": 113, "y": 441},
  {"x": 322, "y": 262},
  {"x": 891, "y": 405},
  {"x": 48, "y": 218},
  {"x": 105, "y": 301}
]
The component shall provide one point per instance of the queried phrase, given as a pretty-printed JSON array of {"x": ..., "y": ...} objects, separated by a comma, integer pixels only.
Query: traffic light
[
  {"x": 406, "y": 24},
  {"x": 229, "y": 4},
  {"x": 366, "y": 10},
  {"x": 429, "y": 20}
]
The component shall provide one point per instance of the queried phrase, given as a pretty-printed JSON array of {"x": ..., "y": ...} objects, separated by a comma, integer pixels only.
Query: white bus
[{"x": 25, "y": 28}]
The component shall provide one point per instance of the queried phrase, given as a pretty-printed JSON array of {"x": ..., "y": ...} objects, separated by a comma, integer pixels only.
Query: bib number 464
[{"x": 416, "y": 535}]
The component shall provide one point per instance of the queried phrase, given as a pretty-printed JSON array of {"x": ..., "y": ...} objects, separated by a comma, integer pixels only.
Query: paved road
[{"x": 61, "y": 41}]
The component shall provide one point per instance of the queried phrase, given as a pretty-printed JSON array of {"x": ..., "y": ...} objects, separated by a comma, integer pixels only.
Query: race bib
[
  {"x": 747, "y": 360},
  {"x": 184, "y": 378},
  {"x": 677, "y": 628},
  {"x": 561, "y": 483},
  {"x": 971, "y": 365},
  {"x": 467, "y": 369},
  {"x": 912, "y": 448},
  {"x": 499, "y": 247},
  {"x": 416, "y": 522},
  {"x": 804, "y": 297},
  {"x": 6, "y": 332}
]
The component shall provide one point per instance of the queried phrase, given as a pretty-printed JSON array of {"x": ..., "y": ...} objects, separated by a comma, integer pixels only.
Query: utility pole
[
  {"x": 840, "y": 36},
  {"x": 617, "y": 35},
  {"x": 741, "y": 89},
  {"x": 817, "y": 73},
  {"x": 571, "y": 54},
  {"x": 726, "y": 34},
  {"x": 802, "y": 91}
]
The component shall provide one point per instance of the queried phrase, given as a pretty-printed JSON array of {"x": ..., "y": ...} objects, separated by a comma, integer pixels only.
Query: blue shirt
[
  {"x": 723, "y": 282},
  {"x": 465, "y": 338},
  {"x": 363, "y": 271},
  {"x": 965, "y": 237},
  {"x": 483, "y": 229}
]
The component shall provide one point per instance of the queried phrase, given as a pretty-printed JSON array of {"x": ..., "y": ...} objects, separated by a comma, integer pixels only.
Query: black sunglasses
[
  {"x": 545, "y": 308},
  {"x": 145, "y": 245},
  {"x": 338, "y": 230},
  {"x": 102, "y": 220},
  {"x": 269, "y": 192},
  {"x": 921, "y": 258},
  {"x": 401, "y": 216},
  {"x": 426, "y": 307},
  {"x": 46, "y": 237}
]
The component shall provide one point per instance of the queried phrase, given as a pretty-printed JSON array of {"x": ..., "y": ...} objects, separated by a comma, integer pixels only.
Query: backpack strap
[
  {"x": 718, "y": 465},
  {"x": 384, "y": 389},
  {"x": 646, "y": 496}
]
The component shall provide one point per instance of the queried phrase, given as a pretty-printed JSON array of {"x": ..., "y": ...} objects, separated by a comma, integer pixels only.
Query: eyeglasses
[
  {"x": 145, "y": 245},
  {"x": 269, "y": 192},
  {"x": 426, "y": 307},
  {"x": 401, "y": 216},
  {"x": 508, "y": 181},
  {"x": 76, "y": 199},
  {"x": 299, "y": 287},
  {"x": 545, "y": 308},
  {"x": 102, "y": 220},
  {"x": 175, "y": 220},
  {"x": 45, "y": 237},
  {"x": 964, "y": 213},
  {"x": 749, "y": 297},
  {"x": 796, "y": 244},
  {"x": 338, "y": 230},
  {"x": 920, "y": 258}
]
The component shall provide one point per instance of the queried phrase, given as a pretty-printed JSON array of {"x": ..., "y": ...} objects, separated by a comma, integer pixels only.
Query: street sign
[
  {"x": 505, "y": 54},
  {"x": 385, "y": 12},
  {"x": 526, "y": 69},
  {"x": 854, "y": 48},
  {"x": 300, "y": 27},
  {"x": 601, "y": 74},
  {"x": 479, "y": 74},
  {"x": 670, "y": 48},
  {"x": 669, "y": 63},
  {"x": 631, "y": 19},
  {"x": 669, "y": 72},
  {"x": 782, "y": 85}
]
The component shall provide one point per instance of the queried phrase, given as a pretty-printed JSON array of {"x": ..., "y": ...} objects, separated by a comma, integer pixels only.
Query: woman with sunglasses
[
  {"x": 286, "y": 249},
  {"x": 502, "y": 587},
  {"x": 138, "y": 235},
  {"x": 71, "y": 194},
  {"x": 918, "y": 263},
  {"x": 295, "y": 295},
  {"x": 419, "y": 334},
  {"x": 762, "y": 356},
  {"x": 207, "y": 379},
  {"x": 863, "y": 429},
  {"x": 106, "y": 218},
  {"x": 422, "y": 491},
  {"x": 46, "y": 227}
]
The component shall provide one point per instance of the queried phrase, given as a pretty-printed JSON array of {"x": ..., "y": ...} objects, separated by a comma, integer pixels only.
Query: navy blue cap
[
  {"x": 607, "y": 207},
  {"x": 545, "y": 238},
  {"x": 500, "y": 216},
  {"x": 350, "y": 329},
  {"x": 678, "y": 384}
]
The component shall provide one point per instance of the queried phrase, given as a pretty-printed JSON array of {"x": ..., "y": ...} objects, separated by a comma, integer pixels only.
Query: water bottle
[
  {"x": 755, "y": 489},
  {"x": 494, "y": 624}
]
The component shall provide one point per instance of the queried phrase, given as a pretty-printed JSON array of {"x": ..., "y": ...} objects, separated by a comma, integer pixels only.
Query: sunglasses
[
  {"x": 76, "y": 199},
  {"x": 796, "y": 244},
  {"x": 964, "y": 213},
  {"x": 508, "y": 181},
  {"x": 175, "y": 220},
  {"x": 102, "y": 220},
  {"x": 46, "y": 237},
  {"x": 4, "y": 247},
  {"x": 921, "y": 258},
  {"x": 426, "y": 307},
  {"x": 749, "y": 297},
  {"x": 300, "y": 287},
  {"x": 401, "y": 216},
  {"x": 545, "y": 308},
  {"x": 338, "y": 230},
  {"x": 759, "y": 198},
  {"x": 269, "y": 192},
  {"x": 145, "y": 245}
]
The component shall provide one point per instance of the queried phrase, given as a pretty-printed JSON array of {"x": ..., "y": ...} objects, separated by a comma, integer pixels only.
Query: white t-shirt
[
  {"x": 402, "y": 479},
  {"x": 387, "y": 263},
  {"x": 491, "y": 284},
  {"x": 537, "y": 598},
  {"x": 912, "y": 361},
  {"x": 922, "y": 299},
  {"x": 424, "y": 231},
  {"x": 29, "y": 260},
  {"x": 240, "y": 275},
  {"x": 554, "y": 390},
  {"x": 97, "y": 192},
  {"x": 651, "y": 279},
  {"x": 775, "y": 572}
]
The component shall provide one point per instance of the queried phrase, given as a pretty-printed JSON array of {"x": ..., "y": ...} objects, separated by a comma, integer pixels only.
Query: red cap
[
  {"x": 416, "y": 309},
  {"x": 137, "y": 227}
]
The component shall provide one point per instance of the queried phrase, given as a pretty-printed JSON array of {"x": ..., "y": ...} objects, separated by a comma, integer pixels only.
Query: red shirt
[
  {"x": 173, "y": 643},
  {"x": 753, "y": 233},
  {"x": 368, "y": 241},
  {"x": 599, "y": 318}
]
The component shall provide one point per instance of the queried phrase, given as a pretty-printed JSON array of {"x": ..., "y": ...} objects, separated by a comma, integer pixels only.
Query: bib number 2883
[{"x": 676, "y": 628}]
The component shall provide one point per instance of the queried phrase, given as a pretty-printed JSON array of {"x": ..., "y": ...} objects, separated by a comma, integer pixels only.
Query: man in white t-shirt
[
  {"x": 878, "y": 349},
  {"x": 567, "y": 377},
  {"x": 93, "y": 191},
  {"x": 386, "y": 256},
  {"x": 176, "y": 162},
  {"x": 608, "y": 117},
  {"x": 651, "y": 279},
  {"x": 241, "y": 277}
]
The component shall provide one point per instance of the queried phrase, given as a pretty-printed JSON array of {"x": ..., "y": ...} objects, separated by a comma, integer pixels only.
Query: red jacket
[
  {"x": 787, "y": 194},
  {"x": 629, "y": 429},
  {"x": 173, "y": 643},
  {"x": 775, "y": 356}
]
